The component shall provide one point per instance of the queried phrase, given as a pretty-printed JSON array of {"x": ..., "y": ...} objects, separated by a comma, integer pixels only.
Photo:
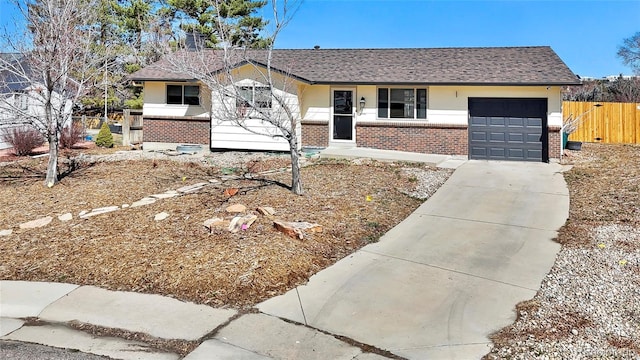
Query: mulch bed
[{"x": 179, "y": 257}]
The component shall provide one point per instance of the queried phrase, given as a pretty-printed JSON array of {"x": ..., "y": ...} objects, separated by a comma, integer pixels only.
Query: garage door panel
[
  {"x": 497, "y": 121},
  {"x": 497, "y": 152},
  {"x": 533, "y": 122},
  {"x": 535, "y": 137},
  {"x": 507, "y": 129},
  {"x": 479, "y": 121},
  {"x": 478, "y": 152},
  {"x": 516, "y": 122},
  {"x": 479, "y": 136},
  {"x": 516, "y": 138},
  {"x": 497, "y": 137}
]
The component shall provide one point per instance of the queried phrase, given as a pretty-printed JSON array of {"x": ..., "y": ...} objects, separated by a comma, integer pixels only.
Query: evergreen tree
[
  {"x": 230, "y": 20},
  {"x": 105, "y": 137}
]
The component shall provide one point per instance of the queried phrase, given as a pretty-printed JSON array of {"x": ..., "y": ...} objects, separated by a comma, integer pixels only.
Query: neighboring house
[
  {"x": 500, "y": 103},
  {"x": 21, "y": 100}
]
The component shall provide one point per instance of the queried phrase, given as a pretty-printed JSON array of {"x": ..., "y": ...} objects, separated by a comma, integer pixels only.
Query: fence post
[{"x": 126, "y": 125}]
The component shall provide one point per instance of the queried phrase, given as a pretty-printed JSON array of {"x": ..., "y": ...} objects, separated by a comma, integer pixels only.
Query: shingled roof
[{"x": 536, "y": 65}]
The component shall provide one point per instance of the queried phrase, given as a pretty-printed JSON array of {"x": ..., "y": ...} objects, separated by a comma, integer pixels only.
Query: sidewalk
[{"x": 435, "y": 287}]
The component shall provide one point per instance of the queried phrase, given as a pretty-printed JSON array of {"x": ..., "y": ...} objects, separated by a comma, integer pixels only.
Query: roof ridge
[{"x": 425, "y": 48}]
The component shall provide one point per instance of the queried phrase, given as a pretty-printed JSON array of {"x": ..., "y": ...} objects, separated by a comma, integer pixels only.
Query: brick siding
[
  {"x": 315, "y": 134},
  {"x": 419, "y": 137},
  {"x": 189, "y": 130},
  {"x": 554, "y": 142}
]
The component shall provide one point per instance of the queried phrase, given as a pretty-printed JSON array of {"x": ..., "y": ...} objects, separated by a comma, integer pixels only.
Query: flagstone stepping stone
[
  {"x": 65, "y": 217},
  {"x": 100, "y": 211},
  {"x": 144, "y": 201},
  {"x": 236, "y": 208},
  {"x": 165, "y": 195},
  {"x": 191, "y": 188},
  {"x": 161, "y": 216},
  {"x": 6, "y": 232},
  {"x": 36, "y": 223}
]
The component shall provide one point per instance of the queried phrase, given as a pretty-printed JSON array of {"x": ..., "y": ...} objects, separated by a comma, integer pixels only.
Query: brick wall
[
  {"x": 188, "y": 130},
  {"x": 554, "y": 142},
  {"x": 419, "y": 137},
  {"x": 315, "y": 134}
]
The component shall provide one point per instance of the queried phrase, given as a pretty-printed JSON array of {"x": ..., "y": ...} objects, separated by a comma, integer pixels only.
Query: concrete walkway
[
  {"x": 434, "y": 287},
  {"x": 441, "y": 161},
  {"x": 440, "y": 282}
]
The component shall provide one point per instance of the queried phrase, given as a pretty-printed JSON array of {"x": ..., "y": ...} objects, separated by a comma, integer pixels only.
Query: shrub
[
  {"x": 71, "y": 136},
  {"x": 22, "y": 139},
  {"x": 105, "y": 138}
]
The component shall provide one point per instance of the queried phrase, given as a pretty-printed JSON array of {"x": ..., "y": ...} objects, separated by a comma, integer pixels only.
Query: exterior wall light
[{"x": 362, "y": 103}]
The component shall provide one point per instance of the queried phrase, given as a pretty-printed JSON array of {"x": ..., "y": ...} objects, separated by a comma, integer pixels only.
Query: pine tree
[{"x": 236, "y": 18}]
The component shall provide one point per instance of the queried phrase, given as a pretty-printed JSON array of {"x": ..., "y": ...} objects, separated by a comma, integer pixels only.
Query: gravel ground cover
[
  {"x": 355, "y": 202},
  {"x": 588, "y": 306}
]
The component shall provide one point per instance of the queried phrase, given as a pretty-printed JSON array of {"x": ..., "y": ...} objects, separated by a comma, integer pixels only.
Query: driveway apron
[{"x": 439, "y": 283}]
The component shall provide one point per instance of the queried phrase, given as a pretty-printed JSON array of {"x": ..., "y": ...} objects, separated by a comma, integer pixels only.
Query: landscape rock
[
  {"x": 215, "y": 222},
  {"x": 99, "y": 211},
  {"x": 166, "y": 195},
  {"x": 144, "y": 201},
  {"x": 214, "y": 181},
  {"x": 36, "y": 223},
  {"x": 161, "y": 216},
  {"x": 124, "y": 206},
  {"x": 191, "y": 188},
  {"x": 242, "y": 222},
  {"x": 65, "y": 217},
  {"x": 6, "y": 232},
  {"x": 266, "y": 211},
  {"x": 296, "y": 229},
  {"x": 230, "y": 192},
  {"x": 236, "y": 208}
]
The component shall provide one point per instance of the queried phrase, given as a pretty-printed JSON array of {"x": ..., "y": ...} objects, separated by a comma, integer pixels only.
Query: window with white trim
[
  {"x": 402, "y": 103},
  {"x": 183, "y": 94},
  {"x": 258, "y": 97}
]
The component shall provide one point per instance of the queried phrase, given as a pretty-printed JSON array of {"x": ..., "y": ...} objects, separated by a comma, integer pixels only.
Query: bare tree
[
  {"x": 629, "y": 52},
  {"x": 263, "y": 100},
  {"x": 52, "y": 66}
]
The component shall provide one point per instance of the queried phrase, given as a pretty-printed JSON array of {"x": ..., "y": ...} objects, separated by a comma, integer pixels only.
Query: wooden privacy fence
[{"x": 611, "y": 123}]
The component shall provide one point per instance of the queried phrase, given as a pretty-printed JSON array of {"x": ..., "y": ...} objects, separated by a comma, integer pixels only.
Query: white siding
[
  {"x": 450, "y": 104},
  {"x": 226, "y": 133}
]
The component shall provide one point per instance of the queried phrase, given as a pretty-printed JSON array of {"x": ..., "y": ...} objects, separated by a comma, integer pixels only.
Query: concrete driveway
[{"x": 436, "y": 285}]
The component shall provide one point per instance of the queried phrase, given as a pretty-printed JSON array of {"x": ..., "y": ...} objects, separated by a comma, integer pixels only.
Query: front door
[{"x": 343, "y": 124}]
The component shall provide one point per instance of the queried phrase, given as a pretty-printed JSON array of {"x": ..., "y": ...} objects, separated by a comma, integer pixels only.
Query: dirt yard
[
  {"x": 178, "y": 257},
  {"x": 587, "y": 307}
]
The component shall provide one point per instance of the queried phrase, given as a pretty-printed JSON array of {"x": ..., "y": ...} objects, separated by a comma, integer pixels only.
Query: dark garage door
[{"x": 508, "y": 129}]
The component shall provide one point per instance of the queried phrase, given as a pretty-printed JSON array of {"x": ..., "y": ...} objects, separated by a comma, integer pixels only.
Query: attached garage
[{"x": 508, "y": 129}]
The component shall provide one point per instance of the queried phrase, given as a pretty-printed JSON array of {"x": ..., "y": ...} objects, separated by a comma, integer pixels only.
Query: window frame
[
  {"x": 183, "y": 95},
  {"x": 384, "y": 113},
  {"x": 244, "y": 103}
]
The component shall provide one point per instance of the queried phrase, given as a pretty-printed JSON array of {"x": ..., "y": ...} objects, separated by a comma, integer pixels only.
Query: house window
[
  {"x": 258, "y": 97},
  {"x": 21, "y": 100},
  {"x": 402, "y": 103},
  {"x": 183, "y": 94}
]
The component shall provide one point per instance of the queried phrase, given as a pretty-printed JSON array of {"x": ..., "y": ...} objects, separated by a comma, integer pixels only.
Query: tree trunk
[
  {"x": 52, "y": 167},
  {"x": 296, "y": 180}
]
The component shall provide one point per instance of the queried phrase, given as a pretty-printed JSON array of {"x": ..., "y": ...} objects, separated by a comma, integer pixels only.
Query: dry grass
[
  {"x": 178, "y": 257},
  {"x": 604, "y": 189}
]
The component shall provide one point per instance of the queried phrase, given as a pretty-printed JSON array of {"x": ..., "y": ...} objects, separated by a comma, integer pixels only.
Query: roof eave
[{"x": 559, "y": 83}]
